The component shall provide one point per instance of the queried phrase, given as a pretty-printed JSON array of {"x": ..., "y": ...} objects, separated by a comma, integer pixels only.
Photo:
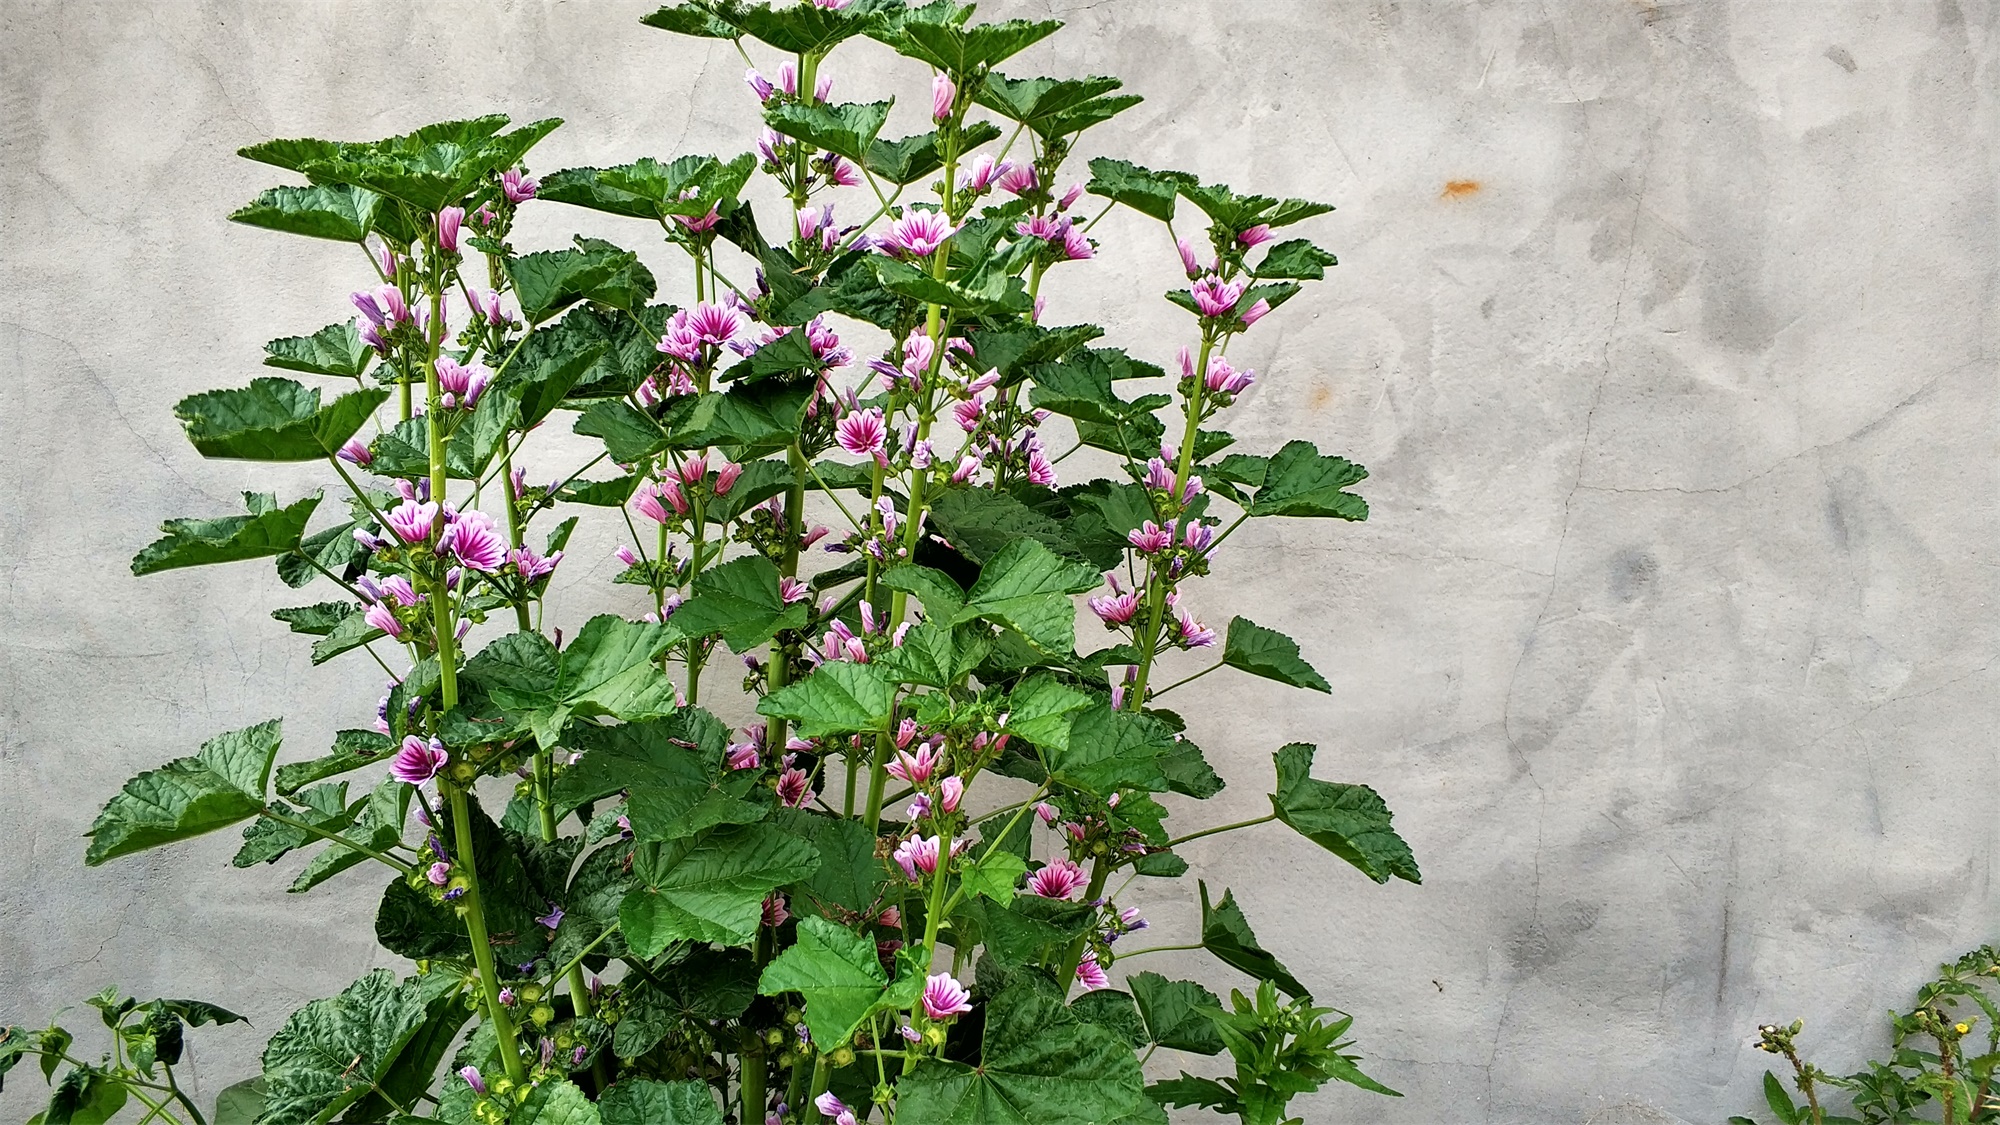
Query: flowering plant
[{"x": 836, "y": 913}]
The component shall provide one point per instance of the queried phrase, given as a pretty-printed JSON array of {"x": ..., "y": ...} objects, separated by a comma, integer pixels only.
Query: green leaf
[
  {"x": 751, "y": 419},
  {"x": 316, "y": 620},
  {"x": 1298, "y": 481},
  {"x": 625, "y": 344},
  {"x": 1188, "y": 772},
  {"x": 963, "y": 50},
  {"x": 333, "y": 548},
  {"x": 1113, "y": 1011},
  {"x": 848, "y": 129},
  {"x": 549, "y": 281},
  {"x": 193, "y": 542},
  {"x": 341, "y": 212},
  {"x": 352, "y": 749},
  {"x": 404, "y": 451},
  {"x": 837, "y": 971},
  {"x": 1026, "y": 587},
  {"x": 850, "y": 874},
  {"x": 688, "y": 19},
  {"x": 942, "y": 597},
  {"x": 710, "y": 888},
  {"x": 323, "y": 806},
  {"x": 1142, "y": 189},
  {"x": 1174, "y": 1011},
  {"x": 240, "y": 1104},
  {"x": 674, "y": 791},
  {"x": 1226, "y": 933},
  {"x": 1270, "y": 654},
  {"x": 331, "y": 1052},
  {"x": 648, "y": 189},
  {"x": 352, "y": 632},
  {"x": 910, "y": 159},
  {"x": 938, "y": 655},
  {"x": 1041, "y": 709},
  {"x": 760, "y": 481},
  {"x": 84, "y": 1097},
  {"x": 628, "y": 435},
  {"x": 708, "y": 985},
  {"x": 981, "y": 523},
  {"x": 1039, "y": 1065},
  {"x": 1779, "y": 1100},
  {"x": 1351, "y": 821},
  {"x": 837, "y": 698},
  {"x": 221, "y": 785},
  {"x": 1052, "y": 107},
  {"x": 739, "y": 600},
  {"x": 987, "y": 293},
  {"x": 335, "y": 350},
  {"x": 1014, "y": 349},
  {"x": 556, "y": 1101},
  {"x": 380, "y": 825},
  {"x": 602, "y": 493},
  {"x": 1107, "y": 750},
  {"x": 997, "y": 873},
  {"x": 1188, "y": 1090},
  {"x": 431, "y": 168},
  {"x": 1238, "y": 213},
  {"x": 642, "y": 1101},
  {"x": 1297, "y": 260}
]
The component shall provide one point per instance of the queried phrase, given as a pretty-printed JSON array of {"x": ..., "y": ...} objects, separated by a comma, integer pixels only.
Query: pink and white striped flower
[
  {"x": 944, "y": 997},
  {"x": 1059, "y": 879}
]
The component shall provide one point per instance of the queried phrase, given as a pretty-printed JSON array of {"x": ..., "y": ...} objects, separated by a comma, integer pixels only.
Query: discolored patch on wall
[{"x": 1460, "y": 189}]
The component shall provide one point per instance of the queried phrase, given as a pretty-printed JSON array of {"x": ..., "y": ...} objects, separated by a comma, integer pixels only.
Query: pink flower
[
  {"x": 838, "y": 171},
  {"x": 906, "y": 732},
  {"x": 1090, "y": 974},
  {"x": 1194, "y": 634},
  {"x": 356, "y": 453},
  {"x": 917, "y": 234},
  {"x": 980, "y": 174},
  {"x": 1159, "y": 476},
  {"x": 532, "y": 566},
  {"x": 1046, "y": 813},
  {"x": 714, "y": 324},
  {"x": 1256, "y": 312},
  {"x": 651, "y": 496},
  {"x": 915, "y": 770},
  {"x": 917, "y": 854},
  {"x": 1150, "y": 538},
  {"x": 1041, "y": 470},
  {"x": 725, "y": 477},
  {"x": 791, "y": 590},
  {"x": 1048, "y": 228},
  {"x": 412, "y": 521},
  {"x": 1059, "y": 879},
  {"x": 759, "y": 85},
  {"x": 1069, "y": 197},
  {"x": 472, "y": 1079},
  {"x": 1018, "y": 179},
  {"x": 943, "y": 93},
  {"x": 1224, "y": 379},
  {"x": 517, "y": 187},
  {"x": 742, "y": 756},
  {"x": 967, "y": 466},
  {"x": 1256, "y": 236},
  {"x": 1196, "y": 537},
  {"x": 462, "y": 381},
  {"x": 1117, "y": 607},
  {"x": 1076, "y": 247},
  {"x": 945, "y": 997},
  {"x": 438, "y": 873},
  {"x": 474, "y": 540},
  {"x": 967, "y": 413},
  {"x": 398, "y": 587},
  {"x": 793, "y": 790},
  {"x": 701, "y": 225},
  {"x": 918, "y": 809},
  {"x": 950, "y": 792},
  {"x": 775, "y": 913},
  {"x": 448, "y": 221},
  {"x": 863, "y": 433},
  {"x": 383, "y": 618},
  {"x": 831, "y": 6},
  {"x": 418, "y": 761},
  {"x": 693, "y": 469},
  {"x": 1215, "y": 297},
  {"x": 1189, "y": 261}
]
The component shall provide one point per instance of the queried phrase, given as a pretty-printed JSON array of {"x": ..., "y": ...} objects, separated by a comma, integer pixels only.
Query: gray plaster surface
[{"x": 1666, "y": 330}]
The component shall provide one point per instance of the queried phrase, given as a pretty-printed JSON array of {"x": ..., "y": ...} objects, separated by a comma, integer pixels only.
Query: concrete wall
[{"x": 1665, "y": 328}]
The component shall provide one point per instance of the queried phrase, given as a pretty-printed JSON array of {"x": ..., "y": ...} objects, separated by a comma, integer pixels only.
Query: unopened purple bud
[
  {"x": 472, "y": 1079},
  {"x": 448, "y": 221}
]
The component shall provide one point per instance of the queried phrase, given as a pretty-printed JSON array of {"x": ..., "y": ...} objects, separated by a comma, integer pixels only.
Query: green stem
[
  {"x": 514, "y": 531},
  {"x": 752, "y": 1070},
  {"x": 183, "y": 1098},
  {"x": 1158, "y": 949},
  {"x": 782, "y": 653},
  {"x": 820, "y": 1076},
  {"x": 1179, "y": 840},
  {"x": 1187, "y": 679},
  {"x": 482, "y": 945}
]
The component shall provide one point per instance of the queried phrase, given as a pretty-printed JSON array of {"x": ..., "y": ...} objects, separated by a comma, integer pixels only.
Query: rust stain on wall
[{"x": 1459, "y": 189}]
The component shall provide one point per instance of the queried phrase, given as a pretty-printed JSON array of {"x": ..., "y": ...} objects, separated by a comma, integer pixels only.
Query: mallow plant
[{"x": 844, "y": 474}]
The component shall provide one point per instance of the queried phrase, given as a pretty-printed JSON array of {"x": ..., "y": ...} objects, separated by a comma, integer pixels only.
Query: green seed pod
[{"x": 843, "y": 1056}]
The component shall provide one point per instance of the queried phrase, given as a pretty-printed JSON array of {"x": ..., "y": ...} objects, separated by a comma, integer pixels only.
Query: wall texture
[{"x": 1667, "y": 330}]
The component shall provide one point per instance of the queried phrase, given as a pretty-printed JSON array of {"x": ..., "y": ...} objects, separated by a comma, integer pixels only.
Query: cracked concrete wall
[{"x": 1666, "y": 330}]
